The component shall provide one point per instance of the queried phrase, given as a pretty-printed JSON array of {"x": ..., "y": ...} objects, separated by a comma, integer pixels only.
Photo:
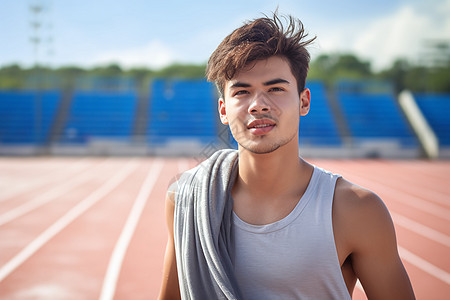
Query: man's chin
[
  {"x": 263, "y": 146},
  {"x": 259, "y": 149}
]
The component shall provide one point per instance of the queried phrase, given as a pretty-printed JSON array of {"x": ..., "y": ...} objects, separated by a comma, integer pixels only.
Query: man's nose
[{"x": 260, "y": 104}]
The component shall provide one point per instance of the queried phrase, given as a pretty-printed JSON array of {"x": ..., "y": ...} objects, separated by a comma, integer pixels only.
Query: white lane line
[
  {"x": 115, "y": 263},
  {"x": 424, "y": 265},
  {"x": 421, "y": 264},
  {"x": 423, "y": 205},
  {"x": 65, "y": 220},
  {"x": 421, "y": 229},
  {"x": 412, "y": 188},
  {"x": 405, "y": 198},
  {"x": 48, "y": 196},
  {"x": 26, "y": 185}
]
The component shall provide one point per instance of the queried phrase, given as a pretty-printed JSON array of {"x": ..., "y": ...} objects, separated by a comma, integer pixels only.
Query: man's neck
[{"x": 270, "y": 174}]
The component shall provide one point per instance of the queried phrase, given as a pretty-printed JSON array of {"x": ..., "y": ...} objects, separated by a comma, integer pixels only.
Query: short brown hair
[{"x": 258, "y": 40}]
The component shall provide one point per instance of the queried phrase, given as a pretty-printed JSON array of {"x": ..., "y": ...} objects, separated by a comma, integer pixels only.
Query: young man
[{"x": 261, "y": 222}]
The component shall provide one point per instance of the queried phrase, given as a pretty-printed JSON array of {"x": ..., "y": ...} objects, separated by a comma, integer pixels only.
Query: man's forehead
[{"x": 263, "y": 70}]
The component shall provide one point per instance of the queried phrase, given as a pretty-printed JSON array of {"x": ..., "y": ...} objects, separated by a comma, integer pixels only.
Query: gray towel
[{"x": 202, "y": 229}]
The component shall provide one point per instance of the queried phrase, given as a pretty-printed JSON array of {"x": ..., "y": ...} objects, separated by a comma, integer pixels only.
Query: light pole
[{"x": 36, "y": 11}]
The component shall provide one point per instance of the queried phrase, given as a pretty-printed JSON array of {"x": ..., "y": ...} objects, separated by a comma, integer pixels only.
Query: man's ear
[
  {"x": 223, "y": 112},
  {"x": 305, "y": 101}
]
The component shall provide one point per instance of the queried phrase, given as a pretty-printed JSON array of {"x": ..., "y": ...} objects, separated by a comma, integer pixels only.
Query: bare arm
[
  {"x": 371, "y": 238},
  {"x": 170, "y": 288}
]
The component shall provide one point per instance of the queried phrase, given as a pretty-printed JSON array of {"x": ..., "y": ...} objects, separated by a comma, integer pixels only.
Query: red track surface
[{"x": 94, "y": 228}]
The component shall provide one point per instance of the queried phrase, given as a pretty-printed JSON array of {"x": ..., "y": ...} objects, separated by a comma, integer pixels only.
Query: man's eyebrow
[
  {"x": 239, "y": 84},
  {"x": 276, "y": 81}
]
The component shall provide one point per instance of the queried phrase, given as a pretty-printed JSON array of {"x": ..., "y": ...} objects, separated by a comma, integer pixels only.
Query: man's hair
[{"x": 258, "y": 40}]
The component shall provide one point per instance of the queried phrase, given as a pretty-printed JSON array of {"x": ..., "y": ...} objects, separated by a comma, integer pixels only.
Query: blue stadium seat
[
  {"x": 318, "y": 128},
  {"x": 26, "y": 116},
  {"x": 182, "y": 109},
  {"x": 436, "y": 109},
  {"x": 100, "y": 114},
  {"x": 375, "y": 115}
]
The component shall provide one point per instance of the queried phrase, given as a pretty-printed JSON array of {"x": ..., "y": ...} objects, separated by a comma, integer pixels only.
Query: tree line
[{"x": 329, "y": 68}]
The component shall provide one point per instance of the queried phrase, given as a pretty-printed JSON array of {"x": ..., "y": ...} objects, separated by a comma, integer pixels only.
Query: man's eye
[
  {"x": 276, "y": 89},
  {"x": 242, "y": 92}
]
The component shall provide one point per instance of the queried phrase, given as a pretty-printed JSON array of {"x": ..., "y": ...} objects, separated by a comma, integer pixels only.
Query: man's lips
[
  {"x": 260, "y": 126},
  {"x": 259, "y": 123}
]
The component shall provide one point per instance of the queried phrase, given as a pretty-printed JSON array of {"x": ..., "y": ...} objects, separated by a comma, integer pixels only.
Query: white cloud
[
  {"x": 155, "y": 55},
  {"x": 404, "y": 33},
  {"x": 400, "y": 33},
  {"x": 394, "y": 36}
]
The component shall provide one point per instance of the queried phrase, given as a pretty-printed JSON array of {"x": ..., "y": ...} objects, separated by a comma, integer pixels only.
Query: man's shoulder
[
  {"x": 353, "y": 196},
  {"x": 359, "y": 210}
]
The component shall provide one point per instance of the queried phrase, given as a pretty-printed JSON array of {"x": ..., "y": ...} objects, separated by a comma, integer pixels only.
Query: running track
[{"x": 94, "y": 228}]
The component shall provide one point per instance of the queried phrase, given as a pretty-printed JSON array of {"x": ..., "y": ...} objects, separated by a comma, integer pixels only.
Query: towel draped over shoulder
[{"x": 202, "y": 229}]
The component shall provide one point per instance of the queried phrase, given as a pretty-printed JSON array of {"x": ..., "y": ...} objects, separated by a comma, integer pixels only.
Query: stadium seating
[
  {"x": 436, "y": 109},
  {"x": 26, "y": 116},
  {"x": 182, "y": 109},
  {"x": 177, "y": 111},
  {"x": 374, "y": 115},
  {"x": 99, "y": 114},
  {"x": 318, "y": 128}
]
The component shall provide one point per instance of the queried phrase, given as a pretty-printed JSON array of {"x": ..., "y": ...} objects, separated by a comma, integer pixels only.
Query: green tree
[
  {"x": 112, "y": 70},
  {"x": 12, "y": 77},
  {"x": 396, "y": 74},
  {"x": 182, "y": 71},
  {"x": 335, "y": 67}
]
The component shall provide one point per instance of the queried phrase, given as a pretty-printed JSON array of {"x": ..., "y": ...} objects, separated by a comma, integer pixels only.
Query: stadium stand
[
  {"x": 374, "y": 115},
  {"x": 436, "y": 109},
  {"x": 26, "y": 116},
  {"x": 350, "y": 120},
  {"x": 182, "y": 110},
  {"x": 100, "y": 114},
  {"x": 319, "y": 128}
]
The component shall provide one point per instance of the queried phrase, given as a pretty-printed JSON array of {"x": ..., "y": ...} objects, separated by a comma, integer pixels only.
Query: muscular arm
[
  {"x": 370, "y": 240},
  {"x": 170, "y": 288}
]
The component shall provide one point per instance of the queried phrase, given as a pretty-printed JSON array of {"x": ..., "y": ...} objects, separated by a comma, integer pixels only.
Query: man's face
[{"x": 262, "y": 106}]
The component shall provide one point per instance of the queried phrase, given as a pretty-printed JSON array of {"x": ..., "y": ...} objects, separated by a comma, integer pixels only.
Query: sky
[{"x": 154, "y": 34}]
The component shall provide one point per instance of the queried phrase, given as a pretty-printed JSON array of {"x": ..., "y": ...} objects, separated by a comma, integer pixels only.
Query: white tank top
[{"x": 295, "y": 257}]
